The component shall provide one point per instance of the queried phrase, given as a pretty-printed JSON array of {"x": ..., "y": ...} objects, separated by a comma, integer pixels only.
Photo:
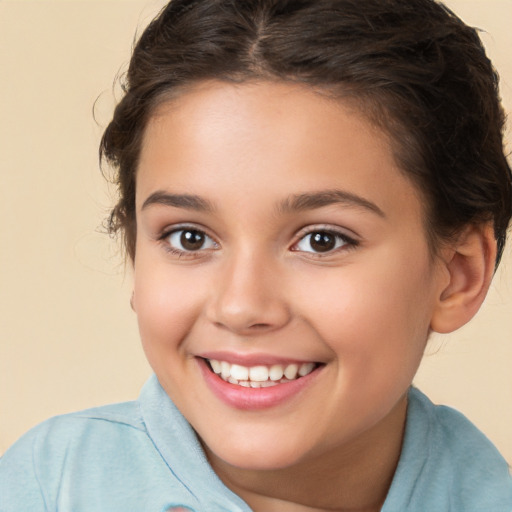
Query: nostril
[
  {"x": 259, "y": 326},
  {"x": 231, "y": 324}
]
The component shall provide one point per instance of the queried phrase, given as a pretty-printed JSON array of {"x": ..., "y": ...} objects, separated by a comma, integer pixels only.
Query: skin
[{"x": 363, "y": 310}]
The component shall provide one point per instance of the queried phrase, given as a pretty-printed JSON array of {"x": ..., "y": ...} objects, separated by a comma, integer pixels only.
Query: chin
[{"x": 255, "y": 455}]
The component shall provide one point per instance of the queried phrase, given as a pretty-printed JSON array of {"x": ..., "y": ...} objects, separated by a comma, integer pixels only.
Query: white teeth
[
  {"x": 258, "y": 373},
  {"x": 225, "y": 370},
  {"x": 260, "y": 376},
  {"x": 239, "y": 372},
  {"x": 276, "y": 372},
  {"x": 216, "y": 365},
  {"x": 290, "y": 371},
  {"x": 306, "y": 368}
]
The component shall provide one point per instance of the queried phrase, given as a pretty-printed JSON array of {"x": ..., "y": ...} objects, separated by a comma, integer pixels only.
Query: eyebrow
[
  {"x": 186, "y": 201},
  {"x": 313, "y": 200},
  {"x": 294, "y": 203}
]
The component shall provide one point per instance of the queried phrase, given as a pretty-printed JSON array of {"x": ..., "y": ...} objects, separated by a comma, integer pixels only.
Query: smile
[
  {"x": 259, "y": 382},
  {"x": 260, "y": 376}
]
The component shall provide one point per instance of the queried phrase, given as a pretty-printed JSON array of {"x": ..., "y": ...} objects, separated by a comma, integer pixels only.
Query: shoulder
[
  {"x": 67, "y": 428},
  {"x": 122, "y": 417},
  {"x": 452, "y": 436},
  {"x": 132, "y": 456},
  {"x": 82, "y": 448},
  {"x": 77, "y": 427},
  {"x": 455, "y": 466},
  {"x": 61, "y": 433}
]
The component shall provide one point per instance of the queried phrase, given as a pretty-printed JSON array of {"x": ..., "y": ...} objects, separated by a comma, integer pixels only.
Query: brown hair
[{"x": 411, "y": 65}]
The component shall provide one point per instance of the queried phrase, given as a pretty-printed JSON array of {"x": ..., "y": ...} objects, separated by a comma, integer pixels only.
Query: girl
[{"x": 308, "y": 189}]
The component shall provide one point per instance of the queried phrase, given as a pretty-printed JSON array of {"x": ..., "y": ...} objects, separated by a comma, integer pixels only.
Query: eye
[
  {"x": 323, "y": 241},
  {"x": 190, "y": 240}
]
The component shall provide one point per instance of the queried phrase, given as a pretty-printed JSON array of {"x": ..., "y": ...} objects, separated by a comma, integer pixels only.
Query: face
[{"x": 284, "y": 286}]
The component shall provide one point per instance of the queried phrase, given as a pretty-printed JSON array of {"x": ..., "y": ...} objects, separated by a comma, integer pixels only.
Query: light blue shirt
[{"x": 144, "y": 456}]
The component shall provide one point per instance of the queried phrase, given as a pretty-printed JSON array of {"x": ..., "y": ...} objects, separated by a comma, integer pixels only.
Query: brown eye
[
  {"x": 190, "y": 240},
  {"x": 322, "y": 242}
]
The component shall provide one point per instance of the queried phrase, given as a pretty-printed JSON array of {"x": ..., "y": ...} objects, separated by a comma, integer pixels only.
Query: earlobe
[{"x": 470, "y": 266}]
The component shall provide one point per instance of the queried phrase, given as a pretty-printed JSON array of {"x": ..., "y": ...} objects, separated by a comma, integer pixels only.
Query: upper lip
[{"x": 255, "y": 359}]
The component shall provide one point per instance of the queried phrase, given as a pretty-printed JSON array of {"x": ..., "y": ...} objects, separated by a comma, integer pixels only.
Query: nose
[{"x": 248, "y": 296}]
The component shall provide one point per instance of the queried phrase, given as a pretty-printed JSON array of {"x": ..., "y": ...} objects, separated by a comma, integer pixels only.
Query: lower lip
[{"x": 251, "y": 399}]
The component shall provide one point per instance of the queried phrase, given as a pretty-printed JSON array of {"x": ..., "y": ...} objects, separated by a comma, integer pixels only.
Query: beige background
[{"x": 68, "y": 337}]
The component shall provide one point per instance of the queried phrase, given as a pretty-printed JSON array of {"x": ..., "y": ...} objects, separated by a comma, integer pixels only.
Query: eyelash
[
  {"x": 347, "y": 242},
  {"x": 164, "y": 239}
]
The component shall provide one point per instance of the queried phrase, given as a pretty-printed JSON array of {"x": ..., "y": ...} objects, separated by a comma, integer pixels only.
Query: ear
[{"x": 469, "y": 263}]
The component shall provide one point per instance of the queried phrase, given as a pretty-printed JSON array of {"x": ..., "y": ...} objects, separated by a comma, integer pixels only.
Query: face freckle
[{"x": 315, "y": 254}]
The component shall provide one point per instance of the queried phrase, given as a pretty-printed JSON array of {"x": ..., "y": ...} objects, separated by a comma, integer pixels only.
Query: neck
[{"x": 352, "y": 478}]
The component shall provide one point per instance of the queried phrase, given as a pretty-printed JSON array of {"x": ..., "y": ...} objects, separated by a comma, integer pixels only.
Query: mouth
[
  {"x": 255, "y": 383},
  {"x": 260, "y": 376}
]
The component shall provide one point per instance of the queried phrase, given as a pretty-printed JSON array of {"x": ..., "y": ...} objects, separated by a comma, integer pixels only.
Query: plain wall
[{"x": 68, "y": 338}]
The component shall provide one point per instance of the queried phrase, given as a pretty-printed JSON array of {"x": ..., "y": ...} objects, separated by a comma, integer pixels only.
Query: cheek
[
  {"x": 375, "y": 315},
  {"x": 167, "y": 305}
]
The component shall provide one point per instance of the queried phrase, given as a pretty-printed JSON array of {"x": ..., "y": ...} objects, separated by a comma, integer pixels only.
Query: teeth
[
  {"x": 258, "y": 373},
  {"x": 216, "y": 366},
  {"x": 225, "y": 370},
  {"x": 291, "y": 371},
  {"x": 240, "y": 372},
  {"x": 268, "y": 384},
  {"x": 306, "y": 368},
  {"x": 276, "y": 372},
  {"x": 260, "y": 376}
]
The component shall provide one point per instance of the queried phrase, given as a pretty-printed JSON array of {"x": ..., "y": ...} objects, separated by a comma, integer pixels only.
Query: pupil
[
  {"x": 192, "y": 240},
  {"x": 322, "y": 242}
]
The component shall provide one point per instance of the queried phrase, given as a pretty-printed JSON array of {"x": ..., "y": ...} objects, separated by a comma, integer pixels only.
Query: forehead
[{"x": 275, "y": 138}]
